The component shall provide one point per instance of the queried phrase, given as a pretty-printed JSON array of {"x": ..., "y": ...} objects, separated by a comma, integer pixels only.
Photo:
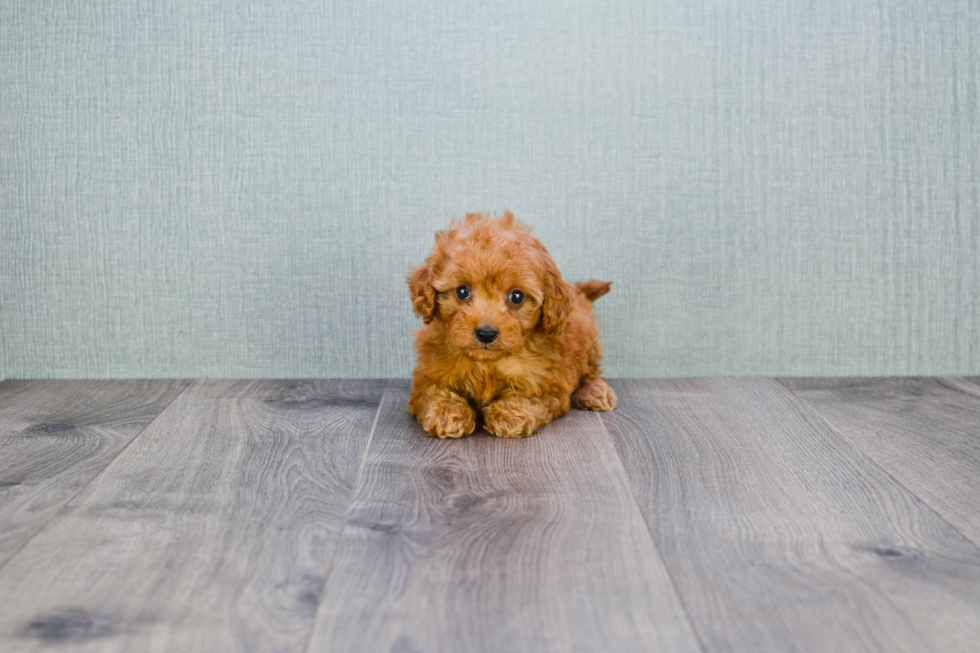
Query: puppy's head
[{"x": 491, "y": 284}]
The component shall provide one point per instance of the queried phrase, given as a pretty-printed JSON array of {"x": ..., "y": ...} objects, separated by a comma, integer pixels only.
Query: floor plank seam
[
  {"x": 653, "y": 540},
  {"x": 68, "y": 504},
  {"x": 874, "y": 462},
  {"x": 343, "y": 526}
]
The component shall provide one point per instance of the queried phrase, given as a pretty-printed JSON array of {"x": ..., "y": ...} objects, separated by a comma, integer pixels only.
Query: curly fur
[{"x": 546, "y": 356}]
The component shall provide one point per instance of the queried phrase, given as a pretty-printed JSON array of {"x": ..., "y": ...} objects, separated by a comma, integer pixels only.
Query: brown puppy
[{"x": 504, "y": 335}]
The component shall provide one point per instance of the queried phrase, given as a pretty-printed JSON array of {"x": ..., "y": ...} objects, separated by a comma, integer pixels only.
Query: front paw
[
  {"x": 510, "y": 419},
  {"x": 449, "y": 417}
]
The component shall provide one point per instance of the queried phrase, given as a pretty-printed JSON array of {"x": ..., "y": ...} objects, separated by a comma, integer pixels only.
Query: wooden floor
[{"x": 701, "y": 515}]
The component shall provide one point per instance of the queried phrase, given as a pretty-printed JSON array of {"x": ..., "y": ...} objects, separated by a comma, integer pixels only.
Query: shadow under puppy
[{"x": 504, "y": 335}]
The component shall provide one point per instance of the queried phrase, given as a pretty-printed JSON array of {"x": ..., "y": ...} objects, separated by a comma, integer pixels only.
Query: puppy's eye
[
  {"x": 463, "y": 292},
  {"x": 516, "y": 297}
]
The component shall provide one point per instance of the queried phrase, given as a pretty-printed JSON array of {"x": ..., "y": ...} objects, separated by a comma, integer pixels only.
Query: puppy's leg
[
  {"x": 517, "y": 416},
  {"x": 594, "y": 394},
  {"x": 442, "y": 412}
]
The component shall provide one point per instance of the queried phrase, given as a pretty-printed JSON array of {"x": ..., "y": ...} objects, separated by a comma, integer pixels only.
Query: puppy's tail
[{"x": 593, "y": 289}]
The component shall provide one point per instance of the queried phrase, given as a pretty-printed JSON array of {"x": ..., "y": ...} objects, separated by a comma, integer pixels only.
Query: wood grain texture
[
  {"x": 924, "y": 431},
  {"x": 55, "y": 436},
  {"x": 213, "y": 531},
  {"x": 780, "y": 534},
  {"x": 482, "y": 544}
]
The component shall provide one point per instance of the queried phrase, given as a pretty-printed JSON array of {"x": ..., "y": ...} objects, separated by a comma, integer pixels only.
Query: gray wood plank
[
  {"x": 482, "y": 544},
  {"x": 924, "y": 431},
  {"x": 780, "y": 534},
  {"x": 55, "y": 436},
  {"x": 213, "y": 531}
]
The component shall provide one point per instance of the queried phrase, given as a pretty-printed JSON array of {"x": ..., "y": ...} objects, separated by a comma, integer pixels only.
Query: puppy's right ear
[{"x": 422, "y": 292}]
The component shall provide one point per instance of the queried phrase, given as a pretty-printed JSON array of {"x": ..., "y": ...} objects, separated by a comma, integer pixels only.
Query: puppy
[{"x": 504, "y": 336}]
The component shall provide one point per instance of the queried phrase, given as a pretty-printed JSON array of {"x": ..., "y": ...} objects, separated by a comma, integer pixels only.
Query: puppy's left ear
[
  {"x": 422, "y": 292},
  {"x": 558, "y": 296}
]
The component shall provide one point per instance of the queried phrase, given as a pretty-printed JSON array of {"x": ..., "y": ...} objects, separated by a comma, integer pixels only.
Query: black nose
[{"x": 486, "y": 335}]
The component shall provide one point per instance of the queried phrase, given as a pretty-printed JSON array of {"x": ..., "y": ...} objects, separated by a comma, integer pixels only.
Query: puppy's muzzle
[{"x": 486, "y": 334}]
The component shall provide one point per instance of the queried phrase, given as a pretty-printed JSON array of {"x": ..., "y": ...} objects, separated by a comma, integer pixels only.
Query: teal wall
[{"x": 236, "y": 189}]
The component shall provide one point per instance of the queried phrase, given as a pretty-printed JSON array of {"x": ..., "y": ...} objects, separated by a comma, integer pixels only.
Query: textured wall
[{"x": 237, "y": 189}]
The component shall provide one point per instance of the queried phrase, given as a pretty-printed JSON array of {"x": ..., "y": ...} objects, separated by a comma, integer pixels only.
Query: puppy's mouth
[{"x": 484, "y": 352}]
